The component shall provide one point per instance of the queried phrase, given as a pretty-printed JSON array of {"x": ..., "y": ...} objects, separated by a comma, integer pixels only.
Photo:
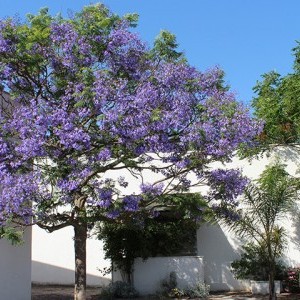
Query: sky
[{"x": 246, "y": 38}]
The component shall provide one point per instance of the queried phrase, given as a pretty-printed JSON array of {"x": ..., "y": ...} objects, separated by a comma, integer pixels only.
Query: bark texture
[{"x": 80, "y": 238}]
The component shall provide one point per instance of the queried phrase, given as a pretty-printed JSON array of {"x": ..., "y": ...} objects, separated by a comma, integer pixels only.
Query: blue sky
[{"x": 244, "y": 37}]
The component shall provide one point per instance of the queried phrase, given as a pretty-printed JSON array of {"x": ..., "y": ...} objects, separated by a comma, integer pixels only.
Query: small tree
[
  {"x": 263, "y": 204},
  {"x": 165, "y": 232},
  {"x": 254, "y": 263},
  {"x": 277, "y": 103}
]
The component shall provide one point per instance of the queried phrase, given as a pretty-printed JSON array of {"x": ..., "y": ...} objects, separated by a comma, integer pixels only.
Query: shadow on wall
[
  {"x": 292, "y": 225},
  {"x": 289, "y": 155},
  {"x": 219, "y": 248},
  {"x": 149, "y": 274},
  {"x": 42, "y": 272}
]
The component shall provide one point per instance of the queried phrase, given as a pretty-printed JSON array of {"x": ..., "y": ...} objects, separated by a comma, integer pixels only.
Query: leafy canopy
[
  {"x": 88, "y": 97},
  {"x": 143, "y": 236},
  {"x": 277, "y": 104}
]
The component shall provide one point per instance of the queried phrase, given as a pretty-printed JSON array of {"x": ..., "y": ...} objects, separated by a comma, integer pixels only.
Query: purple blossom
[
  {"x": 113, "y": 214},
  {"x": 124, "y": 50},
  {"x": 226, "y": 185},
  {"x": 226, "y": 212},
  {"x": 151, "y": 189},
  {"x": 104, "y": 155},
  {"x": 4, "y": 45},
  {"x": 183, "y": 163},
  {"x": 67, "y": 185},
  {"x": 131, "y": 203},
  {"x": 75, "y": 50},
  {"x": 122, "y": 182},
  {"x": 105, "y": 197},
  {"x": 7, "y": 45}
]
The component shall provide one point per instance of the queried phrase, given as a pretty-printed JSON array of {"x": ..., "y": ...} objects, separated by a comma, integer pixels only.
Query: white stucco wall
[
  {"x": 219, "y": 247},
  {"x": 149, "y": 274},
  {"x": 53, "y": 254},
  {"x": 53, "y": 258},
  {"x": 15, "y": 269}
]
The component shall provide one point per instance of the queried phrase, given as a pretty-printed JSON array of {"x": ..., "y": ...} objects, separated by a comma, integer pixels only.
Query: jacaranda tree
[{"x": 87, "y": 96}]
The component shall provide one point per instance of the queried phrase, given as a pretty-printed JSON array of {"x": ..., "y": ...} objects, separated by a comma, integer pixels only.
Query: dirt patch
[
  {"x": 61, "y": 292},
  {"x": 65, "y": 292}
]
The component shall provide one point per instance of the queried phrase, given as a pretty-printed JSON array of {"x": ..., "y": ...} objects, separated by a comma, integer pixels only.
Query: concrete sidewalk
[{"x": 249, "y": 296}]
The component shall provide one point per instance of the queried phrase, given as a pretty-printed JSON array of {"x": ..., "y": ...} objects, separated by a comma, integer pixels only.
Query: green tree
[
  {"x": 265, "y": 201},
  {"x": 253, "y": 264},
  {"x": 278, "y": 104},
  {"x": 11, "y": 233},
  {"x": 167, "y": 232}
]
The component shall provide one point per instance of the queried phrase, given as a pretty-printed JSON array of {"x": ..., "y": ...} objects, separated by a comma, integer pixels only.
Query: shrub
[
  {"x": 199, "y": 290},
  {"x": 170, "y": 289},
  {"x": 169, "y": 286},
  {"x": 291, "y": 282},
  {"x": 119, "y": 289},
  {"x": 254, "y": 264}
]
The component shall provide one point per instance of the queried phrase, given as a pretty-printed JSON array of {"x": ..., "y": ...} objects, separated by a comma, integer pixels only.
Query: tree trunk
[
  {"x": 80, "y": 237},
  {"x": 272, "y": 293},
  {"x": 127, "y": 277}
]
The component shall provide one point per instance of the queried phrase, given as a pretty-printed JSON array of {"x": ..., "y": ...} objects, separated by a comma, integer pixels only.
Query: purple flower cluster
[
  {"x": 226, "y": 212},
  {"x": 131, "y": 203},
  {"x": 17, "y": 192},
  {"x": 105, "y": 197},
  {"x": 153, "y": 190},
  {"x": 6, "y": 44},
  {"x": 113, "y": 214},
  {"x": 122, "y": 182},
  {"x": 226, "y": 184},
  {"x": 124, "y": 51},
  {"x": 74, "y": 50}
]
